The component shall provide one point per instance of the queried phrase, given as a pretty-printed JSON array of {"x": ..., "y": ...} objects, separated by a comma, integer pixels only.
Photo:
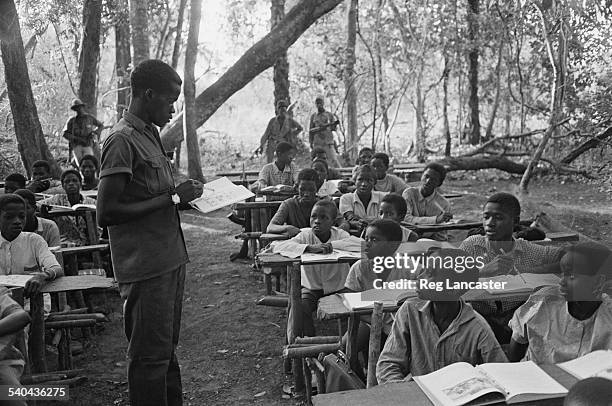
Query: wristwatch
[{"x": 175, "y": 198}]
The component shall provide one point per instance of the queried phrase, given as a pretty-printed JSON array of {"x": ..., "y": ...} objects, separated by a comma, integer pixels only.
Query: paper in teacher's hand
[{"x": 220, "y": 193}]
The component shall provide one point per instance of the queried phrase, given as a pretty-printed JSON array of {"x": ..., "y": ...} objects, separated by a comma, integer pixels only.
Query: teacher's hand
[{"x": 189, "y": 190}]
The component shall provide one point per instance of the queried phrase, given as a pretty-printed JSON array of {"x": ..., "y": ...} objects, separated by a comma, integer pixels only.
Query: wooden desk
[
  {"x": 404, "y": 392},
  {"x": 37, "y": 329},
  {"x": 294, "y": 306}
]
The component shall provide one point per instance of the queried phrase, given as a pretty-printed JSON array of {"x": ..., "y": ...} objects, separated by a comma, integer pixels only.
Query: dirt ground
[{"x": 230, "y": 348}]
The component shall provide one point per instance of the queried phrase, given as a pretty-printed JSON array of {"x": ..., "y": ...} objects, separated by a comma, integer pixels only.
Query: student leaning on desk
[
  {"x": 321, "y": 279},
  {"x": 24, "y": 253}
]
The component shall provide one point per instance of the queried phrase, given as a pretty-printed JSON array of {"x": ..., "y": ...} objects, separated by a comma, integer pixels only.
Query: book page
[
  {"x": 525, "y": 282},
  {"x": 14, "y": 280},
  {"x": 352, "y": 243},
  {"x": 522, "y": 378},
  {"x": 596, "y": 363},
  {"x": 456, "y": 384},
  {"x": 220, "y": 193}
]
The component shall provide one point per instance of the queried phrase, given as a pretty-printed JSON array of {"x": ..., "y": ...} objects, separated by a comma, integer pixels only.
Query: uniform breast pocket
[{"x": 157, "y": 176}]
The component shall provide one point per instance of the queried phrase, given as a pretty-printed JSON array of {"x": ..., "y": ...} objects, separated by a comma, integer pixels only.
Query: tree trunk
[
  {"x": 472, "y": 125},
  {"x": 194, "y": 167},
  {"x": 349, "y": 80},
  {"x": 122, "y": 55},
  {"x": 179, "y": 33},
  {"x": 382, "y": 97},
  {"x": 255, "y": 60},
  {"x": 559, "y": 66},
  {"x": 281, "y": 66},
  {"x": 28, "y": 131},
  {"x": 419, "y": 110},
  {"x": 90, "y": 53},
  {"x": 139, "y": 24},
  {"x": 163, "y": 35},
  {"x": 489, "y": 131},
  {"x": 446, "y": 125}
]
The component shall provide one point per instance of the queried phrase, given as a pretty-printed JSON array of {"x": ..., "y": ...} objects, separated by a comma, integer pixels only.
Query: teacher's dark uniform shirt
[{"x": 153, "y": 244}]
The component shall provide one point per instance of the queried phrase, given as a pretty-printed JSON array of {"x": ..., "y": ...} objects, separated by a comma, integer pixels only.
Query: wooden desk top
[
  {"x": 80, "y": 250},
  {"x": 410, "y": 393},
  {"x": 463, "y": 225},
  {"x": 269, "y": 259},
  {"x": 68, "y": 283},
  {"x": 333, "y": 307}
]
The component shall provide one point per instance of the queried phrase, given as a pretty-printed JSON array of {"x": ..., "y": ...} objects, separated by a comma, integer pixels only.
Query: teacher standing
[{"x": 138, "y": 202}]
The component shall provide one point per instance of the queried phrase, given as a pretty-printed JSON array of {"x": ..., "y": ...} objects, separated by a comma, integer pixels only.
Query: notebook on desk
[
  {"x": 525, "y": 282},
  {"x": 336, "y": 255},
  {"x": 366, "y": 299}
]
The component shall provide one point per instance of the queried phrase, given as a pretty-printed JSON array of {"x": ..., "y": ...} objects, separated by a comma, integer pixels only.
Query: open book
[
  {"x": 366, "y": 299},
  {"x": 462, "y": 384},
  {"x": 336, "y": 255},
  {"x": 525, "y": 282},
  {"x": 59, "y": 209},
  {"x": 220, "y": 193},
  {"x": 596, "y": 363}
]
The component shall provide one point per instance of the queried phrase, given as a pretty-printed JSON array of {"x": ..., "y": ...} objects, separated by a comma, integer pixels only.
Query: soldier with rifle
[
  {"x": 82, "y": 132},
  {"x": 322, "y": 125}
]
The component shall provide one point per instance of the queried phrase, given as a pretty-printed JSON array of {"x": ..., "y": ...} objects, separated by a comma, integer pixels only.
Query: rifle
[{"x": 324, "y": 126}]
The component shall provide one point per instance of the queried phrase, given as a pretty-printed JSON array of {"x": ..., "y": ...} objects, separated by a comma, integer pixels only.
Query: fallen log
[{"x": 482, "y": 162}]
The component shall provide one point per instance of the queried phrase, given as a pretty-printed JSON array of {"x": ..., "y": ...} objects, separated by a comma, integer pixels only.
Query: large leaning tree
[
  {"x": 28, "y": 130},
  {"x": 261, "y": 56}
]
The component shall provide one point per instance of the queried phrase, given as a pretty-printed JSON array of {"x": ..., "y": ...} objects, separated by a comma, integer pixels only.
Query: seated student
[
  {"x": 13, "y": 319},
  {"x": 385, "y": 182},
  {"x": 46, "y": 228},
  {"x": 564, "y": 322},
  {"x": 89, "y": 167},
  {"x": 393, "y": 207},
  {"x": 23, "y": 253},
  {"x": 438, "y": 328},
  {"x": 327, "y": 188},
  {"x": 41, "y": 178},
  {"x": 364, "y": 157},
  {"x": 280, "y": 172},
  {"x": 502, "y": 254},
  {"x": 594, "y": 391},
  {"x": 294, "y": 213},
  {"x": 318, "y": 280},
  {"x": 13, "y": 182},
  {"x": 319, "y": 153},
  {"x": 361, "y": 206},
  {"x": 500, "y": 251},
  {"x": 73, "y": 229},
  {"x": 426, "y": 205},
  {"x": 382, "y": 239}
]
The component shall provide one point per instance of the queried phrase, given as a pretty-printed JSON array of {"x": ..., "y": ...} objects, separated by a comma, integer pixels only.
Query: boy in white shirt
[{"x": 318, "y": 280}]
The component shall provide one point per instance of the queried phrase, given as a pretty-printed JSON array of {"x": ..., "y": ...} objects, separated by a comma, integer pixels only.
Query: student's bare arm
[
  {"x": 516, "y": 351},
  {"x": 112, "y": 210},
  {"x": 14, "y": 322}
]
